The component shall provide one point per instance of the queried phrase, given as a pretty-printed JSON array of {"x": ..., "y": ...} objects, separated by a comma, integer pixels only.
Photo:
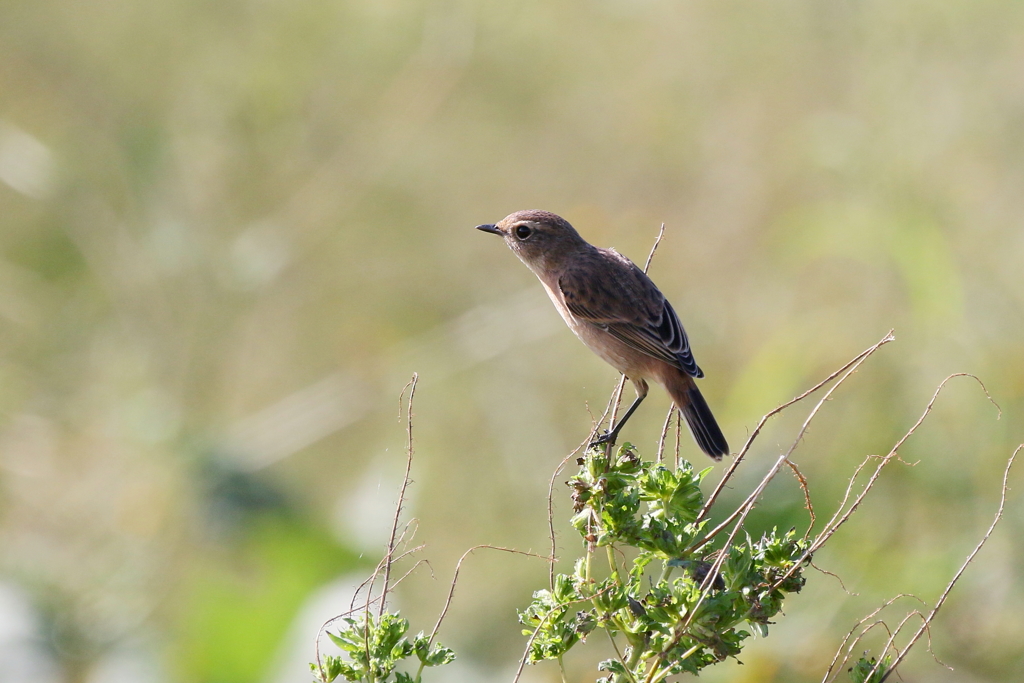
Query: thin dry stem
[
  {"x": 618, "y": 654},
  {"x": 857, "y": 360},
  {"x": 963, "y": 567},
  {"x": 413, "y": 568},
  {"x": 664, "y": 434},
  {"x": 369, "y": 582},
  {"x": 744, "y": 508},
  {"x": 807, "y": 494},
  {"x": 679, "y": 434},
  {"x": 616, "y": 401},
  {"x": 551, "y": 511},
  {"x": 657, "y": 241},
  {"x": 840, "y": 517},
  {"x": 834, "y": 576},
  {"x": 458, "y": 568},
  {"x": 926, "y": 620},
  {"x": 889, "y": 644},
  {"x": 851, "y": 645},
  {"x": 411, "y": 387},
  {"x": 394, "y": 539}
]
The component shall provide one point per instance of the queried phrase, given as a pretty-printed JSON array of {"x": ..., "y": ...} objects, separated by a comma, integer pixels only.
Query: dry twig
[
  {"x": 411, "y": 387},
  {"x": 927, "y": 620},
  {"x": 458, "y": 568}
]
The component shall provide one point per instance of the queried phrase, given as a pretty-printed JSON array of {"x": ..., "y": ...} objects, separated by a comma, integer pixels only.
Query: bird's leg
[{"x": 613, "y": 433}]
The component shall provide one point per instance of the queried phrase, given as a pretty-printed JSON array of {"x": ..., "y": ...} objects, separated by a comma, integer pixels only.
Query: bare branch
[
  {"x": 840, "y": 517},
  {"x": 458, "y": 568},
  {"x": 657, "y": 241},
  {"x": 744, "y": 508},
  {"x": 664, "y": 433},
  {"x": 963, "y": 567},
  {"x": 853, "y": 644},
  {"x": 411, "y": 387},
  {"x": 618, "y": 654},
  {"x": 616, "y": 400},
  {"x": 389, "y": 556},
  {"x": 834, "y": 576},
  {"x": 807, "y": 493},
  {"x": 551, "y": 510},
  {"x": 679, "y": 434},
  {"x": 853, "y": 364}
]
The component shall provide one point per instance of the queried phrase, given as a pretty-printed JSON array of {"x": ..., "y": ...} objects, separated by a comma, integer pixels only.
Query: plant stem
[
  {"x": 611, "y": 563},
  {"x": 615, "y": 647},
  {"x": 634, "y": 657},
  {"x": 663, "y": 673}
]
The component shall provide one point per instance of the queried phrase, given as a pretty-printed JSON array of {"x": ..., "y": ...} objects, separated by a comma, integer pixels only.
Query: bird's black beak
[{"x": 491, "y": 228}]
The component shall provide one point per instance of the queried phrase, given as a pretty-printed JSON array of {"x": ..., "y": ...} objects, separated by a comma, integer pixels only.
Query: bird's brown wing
[{"x": 616, "y": 296}]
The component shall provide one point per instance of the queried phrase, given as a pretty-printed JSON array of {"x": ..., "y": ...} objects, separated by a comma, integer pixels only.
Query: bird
[{"x": 618, "y": 312}]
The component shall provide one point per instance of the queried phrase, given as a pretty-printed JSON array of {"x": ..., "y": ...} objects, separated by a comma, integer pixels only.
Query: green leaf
[
  {"x": 613, "y": 666},
  {"x": 346, "y": 641},
  {"x": 864, "y": 670},
  {"x": 439, "y": 656},
  {"x": 334, "y": 667}
]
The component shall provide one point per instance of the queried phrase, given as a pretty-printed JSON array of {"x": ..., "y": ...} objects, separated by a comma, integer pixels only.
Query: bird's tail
[{"x": 703, "y": 426}]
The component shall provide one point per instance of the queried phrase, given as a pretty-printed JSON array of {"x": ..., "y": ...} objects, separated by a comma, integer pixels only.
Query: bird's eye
[{"x": 523, "y": 231}]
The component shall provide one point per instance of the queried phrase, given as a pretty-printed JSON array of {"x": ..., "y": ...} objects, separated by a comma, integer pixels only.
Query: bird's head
[{"x": 540, "y": 239}]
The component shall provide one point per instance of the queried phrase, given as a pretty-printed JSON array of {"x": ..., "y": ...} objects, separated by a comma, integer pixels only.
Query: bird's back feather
[{"x": 619, "y": 297}]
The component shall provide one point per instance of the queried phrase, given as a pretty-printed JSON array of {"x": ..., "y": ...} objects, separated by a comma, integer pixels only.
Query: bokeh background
[{"x": 231, "y": 231}]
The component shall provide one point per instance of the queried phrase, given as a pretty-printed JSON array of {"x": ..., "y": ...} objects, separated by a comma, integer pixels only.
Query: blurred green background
[{"x": 230, "y": 231}]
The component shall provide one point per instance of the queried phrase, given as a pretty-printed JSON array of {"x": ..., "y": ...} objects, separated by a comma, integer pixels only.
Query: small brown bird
[{"x": 615, "y": 309}]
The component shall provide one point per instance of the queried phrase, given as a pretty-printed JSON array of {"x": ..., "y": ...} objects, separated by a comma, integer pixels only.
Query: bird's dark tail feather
[{"x": 702, "y": 423}]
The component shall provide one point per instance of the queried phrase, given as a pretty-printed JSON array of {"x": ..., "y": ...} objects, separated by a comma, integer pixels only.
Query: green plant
[
  {"x": 678, "y": 602},
  {"x": 375, "y": 646},
  {"x": 870, "y": 670}
]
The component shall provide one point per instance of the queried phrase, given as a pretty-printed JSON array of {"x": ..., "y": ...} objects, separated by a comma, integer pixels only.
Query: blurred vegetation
[{"x": 231, "y": 231}]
